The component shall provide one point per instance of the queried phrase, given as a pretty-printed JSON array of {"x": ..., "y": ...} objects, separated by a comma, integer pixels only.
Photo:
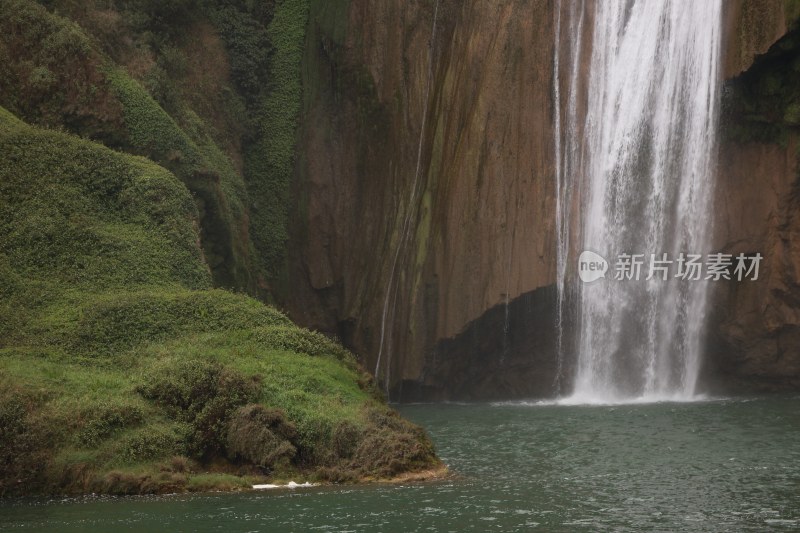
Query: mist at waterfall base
[
  {"x": 726, "y": 465},
  {"x": 635, "y": 173}
]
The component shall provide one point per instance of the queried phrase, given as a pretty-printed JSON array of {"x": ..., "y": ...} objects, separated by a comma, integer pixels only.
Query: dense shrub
[
  {"x": 49, "y": 71},
  {"x": 185, "y": 387},
  {"x": 149, "y": 442},
  {"x": 345, "y": 439},
  {"x": 202, "y": 394},
  {"x": 261, "y": 436},
  {"x": 26, "y": 438},
  {"x": 392, "y": 445},
  {"x": 105, "y": 419},
  {"x": 302, "y": 340},
  {"x": 249, "y": 48}
]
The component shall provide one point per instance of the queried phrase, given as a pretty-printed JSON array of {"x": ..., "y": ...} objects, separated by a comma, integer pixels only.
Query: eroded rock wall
[
  {"x": 754, "y": 339},
  {"x": 424, "y": 230},
  {"x": 427, "y": 183}
]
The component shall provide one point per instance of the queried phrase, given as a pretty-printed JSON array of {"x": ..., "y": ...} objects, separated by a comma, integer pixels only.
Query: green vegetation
[
  {"x": 271, "y": 86},
  {"x": 791, "y": 9},
  {"x": 209, "y": 89},
  {"x": 148, "y": 78},
  {"x": 763, "y": 104},
  {"x": 123, "y": 371},
  {"x": 48, "y": 69},
  {"x": 208, "y": 172},
  {"x": 124, "y": 365}
]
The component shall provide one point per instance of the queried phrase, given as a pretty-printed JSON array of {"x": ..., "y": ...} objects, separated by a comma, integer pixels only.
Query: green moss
[
  {"x": 330, "y": 19},
  {"x": 270, "y": 157}
]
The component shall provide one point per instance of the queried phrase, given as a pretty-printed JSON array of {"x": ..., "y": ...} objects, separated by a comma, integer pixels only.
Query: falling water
[
  {"x": 635, "y": 176},
  {"x": 405, "y": 231},
  {"x": 566, "y": 157}
]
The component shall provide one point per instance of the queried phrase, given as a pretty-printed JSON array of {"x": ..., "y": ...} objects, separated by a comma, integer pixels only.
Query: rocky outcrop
[
  {"x": 751, "y": 27},
  {"x": 425, "y": 196},
  {"x": 755, "y": 326},
  {"x": 506, "y": 353}
]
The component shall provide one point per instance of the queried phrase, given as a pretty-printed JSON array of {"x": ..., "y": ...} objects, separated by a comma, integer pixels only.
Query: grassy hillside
[
  {"x": 209, "y": 89},
  {"x": 122, "y": 370}
]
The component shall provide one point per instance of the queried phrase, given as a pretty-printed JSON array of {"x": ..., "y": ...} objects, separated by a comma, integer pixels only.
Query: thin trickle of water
[
  {"x": 507, "y": 295},
  {"x": 506, "y": 326},
  {"x": 567, "y": 146},
  {"x": 557, "y": 137},
  {"x": 643, "y": 172},
  {"x": 410, "y": 215}
]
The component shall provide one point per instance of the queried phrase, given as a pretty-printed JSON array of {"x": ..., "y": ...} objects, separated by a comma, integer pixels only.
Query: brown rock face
[
  {"x": 755, "y": 328},
  {"x": 424, "y": 234},
  {"x": 428, "y": 175},
  {"x": 752, "y": 26}
]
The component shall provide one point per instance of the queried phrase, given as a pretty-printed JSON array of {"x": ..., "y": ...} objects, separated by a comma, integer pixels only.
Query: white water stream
[{"x": 635, "y": 171}]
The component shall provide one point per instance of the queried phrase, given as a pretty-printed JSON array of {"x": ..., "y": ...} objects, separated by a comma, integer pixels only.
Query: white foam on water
[
  {"x": 576, "y": 400},
  {"x": 290, "y": 485}
]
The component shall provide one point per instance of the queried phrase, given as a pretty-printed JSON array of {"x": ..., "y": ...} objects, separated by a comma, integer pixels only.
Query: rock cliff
[
  {"x": 427, "y": 184},
  {"x": 755, "y": 327},
  {"x": 424, "y": 229}
]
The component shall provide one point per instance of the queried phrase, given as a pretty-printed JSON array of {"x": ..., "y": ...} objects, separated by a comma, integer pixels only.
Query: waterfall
[{"x": 635, "y": 156}]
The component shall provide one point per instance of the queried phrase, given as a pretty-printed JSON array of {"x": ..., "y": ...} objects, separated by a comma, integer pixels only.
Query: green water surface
[{"x": 723, "y": 465}]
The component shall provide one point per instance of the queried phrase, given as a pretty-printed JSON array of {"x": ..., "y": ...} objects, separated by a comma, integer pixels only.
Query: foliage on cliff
[
  {"x": 271, "y": 90},
  {"x": 209, "y": 89},
  {"x": 122, "y": 368},
  {"x": 763, "y": 103}
]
